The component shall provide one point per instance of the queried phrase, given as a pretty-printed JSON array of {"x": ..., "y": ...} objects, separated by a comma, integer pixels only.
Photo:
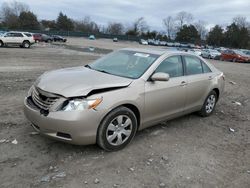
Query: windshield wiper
[
  {"x": 103, "y": 71},
  {"x": 87, "y": 66}
]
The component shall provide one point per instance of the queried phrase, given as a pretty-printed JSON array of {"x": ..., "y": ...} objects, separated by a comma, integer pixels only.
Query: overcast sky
[{"x": 126, "y": 11}]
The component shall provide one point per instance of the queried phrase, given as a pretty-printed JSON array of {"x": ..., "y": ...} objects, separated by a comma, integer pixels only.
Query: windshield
[
  {"x": 239, "y": 52},
  {"x": 124, "y": 63}
]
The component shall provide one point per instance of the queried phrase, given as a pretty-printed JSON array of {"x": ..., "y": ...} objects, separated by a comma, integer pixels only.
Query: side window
[
  {"x": 206, "y": 69},
  {"x": 18, "y": 35},
  {"x": 172, "y": 66},
  {"x": 9, "y": 35},
  {"x": 193, "y": 65}
]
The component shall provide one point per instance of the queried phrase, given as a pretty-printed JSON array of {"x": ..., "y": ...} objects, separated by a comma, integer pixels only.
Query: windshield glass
[
  {"x": 124, "y": 63},
  {"x": 239, "y": 52}
]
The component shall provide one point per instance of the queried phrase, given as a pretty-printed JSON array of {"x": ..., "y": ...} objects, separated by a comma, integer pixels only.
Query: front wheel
[
  {"x": 209, "y": 104},
  {"x": 117, "y": 129}
]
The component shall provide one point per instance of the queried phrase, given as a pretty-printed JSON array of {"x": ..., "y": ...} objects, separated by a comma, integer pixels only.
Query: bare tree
[
  {"x": 201, "y": 28},
  {"x": 13, "y": 8},
  {"x": 10, "y": 12},
  {"x": 115, "y": 28},
  {"x": 87, "y": 25},
  {"x": 240, "y": 21},
  {"x": 140, "y": 25},
  {"x": 169, "y": 24},
  {"x": 183, "y": 18}
]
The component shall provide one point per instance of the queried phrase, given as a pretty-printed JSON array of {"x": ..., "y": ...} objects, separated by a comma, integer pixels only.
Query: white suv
[{"x": 22, "y": 39}]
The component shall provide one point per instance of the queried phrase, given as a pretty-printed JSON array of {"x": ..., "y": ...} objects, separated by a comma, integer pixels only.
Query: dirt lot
[{"x": 186, "y": 152}]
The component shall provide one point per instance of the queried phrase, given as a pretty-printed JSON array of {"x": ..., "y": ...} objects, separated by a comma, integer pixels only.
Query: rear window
[
  {"x": 193, "y": 65},
  {"x": 28, "y": 34},
  {"x": 206, "y": 69}
]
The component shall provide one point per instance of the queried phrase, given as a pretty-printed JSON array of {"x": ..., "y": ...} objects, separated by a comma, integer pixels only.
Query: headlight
[{"x": 82, "y": 104}]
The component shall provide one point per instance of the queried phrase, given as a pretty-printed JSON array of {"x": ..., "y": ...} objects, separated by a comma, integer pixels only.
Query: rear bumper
[{"x": 75, "y": 127}]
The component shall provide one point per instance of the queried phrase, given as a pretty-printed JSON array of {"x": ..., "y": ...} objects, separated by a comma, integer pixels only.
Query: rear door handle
[{"x": 183, "y": 83}]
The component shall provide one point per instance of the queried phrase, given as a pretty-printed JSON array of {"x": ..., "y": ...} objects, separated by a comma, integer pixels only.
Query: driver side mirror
[{"x": 160, "y": 76}]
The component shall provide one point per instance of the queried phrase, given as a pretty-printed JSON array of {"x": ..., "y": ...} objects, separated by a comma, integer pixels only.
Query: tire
[
  {"x": 49, "y": 41},
  {"x": 26, "y": 44},
  {"x": 209, "y": 104},
  {"x": 1, "y": 43},
  {"x": 119, "y": 121},
  {"x": 209, "y": 57}
]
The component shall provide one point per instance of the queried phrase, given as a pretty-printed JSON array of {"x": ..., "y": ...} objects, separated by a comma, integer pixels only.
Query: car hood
[{"x": 78, "y": 81}]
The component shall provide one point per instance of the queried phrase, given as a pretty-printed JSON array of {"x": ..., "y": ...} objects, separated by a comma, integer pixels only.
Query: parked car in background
[
  {"x": 2, "y": 32},
  {"x": 197, "y": 52},
  {"x": 177, "y": 44},
  {"x": 22, "y": 39},
  {"x": 108, "y": 101},
  {"x": 247, "y": 52},
  {"x": 162, "y": 43},
  {"x": 115, "y": 39},
  {"x": 37, "y": 37},
  {"x": 47, "y": 38},
  {"x": 92, "y": 37},
  {"x": 234, "y": 56},
  {"x": 170, "y": 44},
  {"x": 210, "y": 54},
  {"x": 143, "y": 42},
  {"x": 58, "y": 38},
  {"x": 194, "y": 51}
]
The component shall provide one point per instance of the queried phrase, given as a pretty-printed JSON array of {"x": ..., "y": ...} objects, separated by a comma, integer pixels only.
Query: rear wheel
[
  {"x": 117, "y": 129},
  {"x": 209, "y": 104},
  {"x": 26, "y": 44},
  {"x": 1, "y": 43}
]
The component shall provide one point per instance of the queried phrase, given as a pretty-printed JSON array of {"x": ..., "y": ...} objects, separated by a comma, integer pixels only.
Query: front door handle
[
  {"x": 183, "y": 83},
  {"x": 210, "y": 78}
]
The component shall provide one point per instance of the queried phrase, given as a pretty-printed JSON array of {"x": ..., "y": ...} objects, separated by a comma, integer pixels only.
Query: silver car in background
[
  {"x": 108, "y": 101},
  {"x": 210, "y": 54}
]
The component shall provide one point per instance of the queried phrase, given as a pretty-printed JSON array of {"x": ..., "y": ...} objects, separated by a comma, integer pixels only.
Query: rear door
[
  {"x": 18, "y": 38},
  {"x": 199, "y": 78},
  {"x": 166, "y": 98}
]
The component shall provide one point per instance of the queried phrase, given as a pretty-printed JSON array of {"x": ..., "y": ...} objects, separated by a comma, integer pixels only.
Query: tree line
[{"x": 181, "y": 27}]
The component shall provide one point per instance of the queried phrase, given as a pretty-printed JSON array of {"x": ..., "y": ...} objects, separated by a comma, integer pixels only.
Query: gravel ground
[{"x": 186, "y": 152}]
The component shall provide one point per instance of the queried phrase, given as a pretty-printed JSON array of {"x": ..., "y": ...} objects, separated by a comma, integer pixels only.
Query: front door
[{"x": 165, "y": 98}]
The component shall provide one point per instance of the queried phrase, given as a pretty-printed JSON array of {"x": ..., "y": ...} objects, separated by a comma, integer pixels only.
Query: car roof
[{"x": 155, "y": 51}]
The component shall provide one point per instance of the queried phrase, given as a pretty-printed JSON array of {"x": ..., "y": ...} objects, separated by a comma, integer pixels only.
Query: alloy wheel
[
  {"x": 210, "y": 103},
  {"x": 119, "y": 130}
]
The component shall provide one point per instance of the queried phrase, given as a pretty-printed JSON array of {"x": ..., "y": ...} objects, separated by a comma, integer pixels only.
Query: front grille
[{"x": 41, "y": 100}]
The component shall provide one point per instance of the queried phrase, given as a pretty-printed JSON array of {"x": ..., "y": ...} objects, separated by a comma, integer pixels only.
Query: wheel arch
[
  {"x": 217, "y": 91},
  {"x": 136, "y": 112},
  {"x": 26, "y": 41},
  {"x": 130, "y": 106}
]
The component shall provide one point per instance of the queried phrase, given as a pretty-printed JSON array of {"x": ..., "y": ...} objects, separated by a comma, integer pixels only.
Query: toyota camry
[{"x": 108, "y": 101}]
